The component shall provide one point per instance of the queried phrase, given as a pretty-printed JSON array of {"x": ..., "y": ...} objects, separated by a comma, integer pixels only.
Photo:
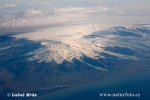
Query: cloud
[
  {"x": 107, "y": 15},
  {"x": 7, "y": 5},
  {"x": 45, "y": 16}
]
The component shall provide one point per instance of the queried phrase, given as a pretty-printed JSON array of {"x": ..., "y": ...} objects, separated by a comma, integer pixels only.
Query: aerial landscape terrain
[{"x": 74, "y": 49}]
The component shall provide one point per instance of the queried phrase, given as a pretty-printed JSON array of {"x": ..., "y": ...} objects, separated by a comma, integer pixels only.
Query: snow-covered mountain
[{"x": 46, "y": 55}]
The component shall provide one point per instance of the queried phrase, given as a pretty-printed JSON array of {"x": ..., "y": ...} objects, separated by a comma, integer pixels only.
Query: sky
[{"x": 64, "y": 3}]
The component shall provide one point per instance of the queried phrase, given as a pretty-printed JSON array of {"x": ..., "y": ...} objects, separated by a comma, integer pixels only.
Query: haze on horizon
[{"x": 128, "y": 11}]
